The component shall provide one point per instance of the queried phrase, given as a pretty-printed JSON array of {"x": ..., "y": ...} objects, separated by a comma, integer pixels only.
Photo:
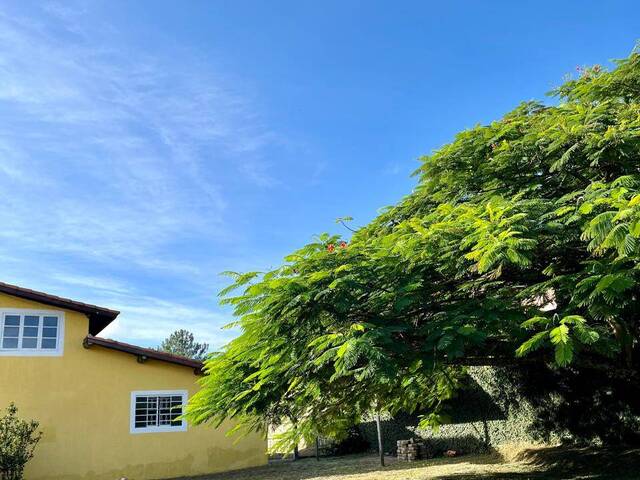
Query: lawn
[{"x": 548, "y": 463}]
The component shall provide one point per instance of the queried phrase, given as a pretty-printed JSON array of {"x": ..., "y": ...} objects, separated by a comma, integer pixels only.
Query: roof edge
[
  {"x": 99, "y": 317},
  {"x": 144, "y": 353}
]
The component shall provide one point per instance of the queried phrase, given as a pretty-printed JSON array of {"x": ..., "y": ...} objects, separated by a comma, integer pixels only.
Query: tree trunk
[
  {"x": 380, "y": 448},
  {"x": 296, "y": 453},
  {"x": 318, "y": 449}
]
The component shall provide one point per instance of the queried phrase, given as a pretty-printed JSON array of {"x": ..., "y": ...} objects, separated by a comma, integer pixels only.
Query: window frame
[
  {"x": 38, "y": 351},
  {"x": 156, "y": 393}
]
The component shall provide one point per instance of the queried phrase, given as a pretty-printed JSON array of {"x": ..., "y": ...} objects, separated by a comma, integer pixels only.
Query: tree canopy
[
  {"x": 182, "y": 342},
  {"x": 519, "y": 243}
]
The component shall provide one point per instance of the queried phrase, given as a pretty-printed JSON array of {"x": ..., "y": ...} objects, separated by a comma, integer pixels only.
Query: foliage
[
  {"x": 18, "y": 440},
  {"x": 520, "y": 240},
  {"x": 182, "y": 342}
]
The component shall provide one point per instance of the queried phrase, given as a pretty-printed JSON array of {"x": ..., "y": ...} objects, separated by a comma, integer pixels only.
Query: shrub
[{"x": 18, "y": 439}]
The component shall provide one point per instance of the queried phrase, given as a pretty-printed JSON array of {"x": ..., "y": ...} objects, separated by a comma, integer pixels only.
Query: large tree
[{"x": 520, "y": 243}]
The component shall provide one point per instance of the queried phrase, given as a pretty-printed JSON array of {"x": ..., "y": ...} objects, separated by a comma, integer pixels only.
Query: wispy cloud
[
  {"x": 118, "y": 156},
  {"x": 149, "y": 319}
]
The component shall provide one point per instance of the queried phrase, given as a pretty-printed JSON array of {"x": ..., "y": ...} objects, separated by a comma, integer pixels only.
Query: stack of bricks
[{"x": 412, "y": 450}]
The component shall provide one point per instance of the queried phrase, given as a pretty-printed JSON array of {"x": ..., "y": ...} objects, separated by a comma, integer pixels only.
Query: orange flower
[{"x": 331, "y": 247}]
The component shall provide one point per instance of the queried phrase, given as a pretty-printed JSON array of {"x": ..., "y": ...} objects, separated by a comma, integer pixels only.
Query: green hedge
[{"x": 533, "y": 405}]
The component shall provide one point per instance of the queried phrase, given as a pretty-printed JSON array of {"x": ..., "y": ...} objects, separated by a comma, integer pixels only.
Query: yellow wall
[{"x": 82, "y": 401}]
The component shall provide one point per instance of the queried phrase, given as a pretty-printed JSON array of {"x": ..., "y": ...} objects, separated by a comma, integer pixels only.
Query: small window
[
  {"x": 25, "y": 332},
  {"x": 157, "y": 411}
]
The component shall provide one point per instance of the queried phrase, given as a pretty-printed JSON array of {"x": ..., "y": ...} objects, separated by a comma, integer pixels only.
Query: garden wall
[{"x": 532, "y": 405}]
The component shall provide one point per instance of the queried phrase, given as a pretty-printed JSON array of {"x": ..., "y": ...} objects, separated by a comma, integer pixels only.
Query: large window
[
  {"x": 157, "y": 411},
  {"x": 26, "y": 332}
]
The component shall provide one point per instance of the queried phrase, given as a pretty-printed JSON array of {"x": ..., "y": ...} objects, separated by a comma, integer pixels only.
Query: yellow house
[{"x": 107, "y": 409}]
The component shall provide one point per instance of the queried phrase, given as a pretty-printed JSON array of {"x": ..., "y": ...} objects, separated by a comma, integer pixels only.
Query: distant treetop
[{"x": 182, "y": 342}]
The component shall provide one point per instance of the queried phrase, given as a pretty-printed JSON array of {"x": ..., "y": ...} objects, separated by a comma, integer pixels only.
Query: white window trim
[
  {"x": 35, "y": 352},
  {"x": 164, "y": 429}
]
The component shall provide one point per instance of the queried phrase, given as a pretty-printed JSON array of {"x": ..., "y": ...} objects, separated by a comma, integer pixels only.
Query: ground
[{"x": 536, "y": 464}]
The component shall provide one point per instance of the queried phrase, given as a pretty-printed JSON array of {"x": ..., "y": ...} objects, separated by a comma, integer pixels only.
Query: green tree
[
  {"x": 182, "y": 342},
  {"x": 18, "y": 440},
  {"x": 520, "y": 243}
]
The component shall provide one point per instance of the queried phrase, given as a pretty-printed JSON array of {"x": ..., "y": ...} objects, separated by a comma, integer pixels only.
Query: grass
[{"x": 555, "y": 463}]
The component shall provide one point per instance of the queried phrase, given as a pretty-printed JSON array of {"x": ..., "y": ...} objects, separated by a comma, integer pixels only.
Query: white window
[
  {"x": 157, "y": 411},
  {"x": 30, "y": 332}
]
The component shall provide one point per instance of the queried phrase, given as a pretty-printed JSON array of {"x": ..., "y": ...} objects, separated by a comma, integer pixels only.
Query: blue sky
[{"x": 147, "y": 146}]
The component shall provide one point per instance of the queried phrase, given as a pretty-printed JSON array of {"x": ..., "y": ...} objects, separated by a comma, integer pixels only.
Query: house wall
[{"x": 82, "y": 401}]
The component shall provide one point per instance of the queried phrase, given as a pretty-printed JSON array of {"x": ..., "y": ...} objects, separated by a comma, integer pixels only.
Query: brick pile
[{"x": 412, "y": 450}]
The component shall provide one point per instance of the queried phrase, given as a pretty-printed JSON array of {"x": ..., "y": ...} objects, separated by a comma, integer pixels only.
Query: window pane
[
  {"x": 10, "y": 343},
  {"x": 11, "y": 331},
  {"x": 175, "y": 413},
  {"x": 12, "y": 320},
  {"x": 49, "y": 332},
  {"x": 50, "y": 321},
  {"x": 30, "y": 332},
  {"x": 164, "y": 410},
  {"x": 48, "y": 343},
  {"x": 29, "y": 342},
  {"x": 145, "y": 409},
  {"x": 31, "y": 321}
]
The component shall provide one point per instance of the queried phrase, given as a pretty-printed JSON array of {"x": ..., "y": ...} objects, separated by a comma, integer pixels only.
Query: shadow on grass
[
  {"x": 563, "y": 463},
  {"x": 339, "y": 467},
  {"x": 557, "y": 463}
]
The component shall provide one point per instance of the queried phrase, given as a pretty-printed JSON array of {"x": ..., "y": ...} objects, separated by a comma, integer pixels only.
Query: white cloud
[
  {"x": 115, "y": 158},
  {"x": 129, "y": 128},
  {"x": 149, "y": 320},
  {"x": 128, "y": 144},
  {"x": 92, "y": 282}
]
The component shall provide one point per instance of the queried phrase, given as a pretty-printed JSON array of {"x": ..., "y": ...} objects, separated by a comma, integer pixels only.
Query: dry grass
[{"x": 542, "y": 463}]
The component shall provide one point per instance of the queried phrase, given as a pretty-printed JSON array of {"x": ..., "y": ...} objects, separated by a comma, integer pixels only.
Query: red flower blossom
[
  {"x": 331, "y": 247},
  {"x": 343, "y": 244}
]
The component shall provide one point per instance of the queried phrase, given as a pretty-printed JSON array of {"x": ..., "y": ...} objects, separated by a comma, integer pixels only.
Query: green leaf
[
  {"x": 343, "y": 349},
  {"x": 559, "y": 335},
  {"x": 535, "y": 322},
  {"x": 586, "y": 336},
  {"x": 533, "y": 344},
  {"x": 573, "y": 320},
  {"x": 564, "y": 353},
  {"x": 586, "y": 208}
]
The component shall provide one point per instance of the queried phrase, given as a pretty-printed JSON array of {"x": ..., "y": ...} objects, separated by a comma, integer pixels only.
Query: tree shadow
[
  {"x": 553, "y": 463},
  {"x": 590, "y": 404},
  {"x": 339, "y": 467},
  {"x": 562, "y": 463}
]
